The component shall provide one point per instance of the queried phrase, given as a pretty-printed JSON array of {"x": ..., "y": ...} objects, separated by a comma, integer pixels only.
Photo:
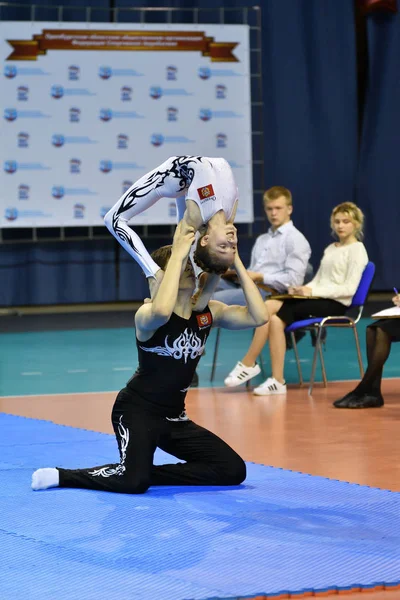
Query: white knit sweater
[{"x": 340, "y": 272}]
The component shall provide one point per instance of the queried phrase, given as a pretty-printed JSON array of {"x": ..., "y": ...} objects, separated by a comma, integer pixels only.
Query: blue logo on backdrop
[
  {"x": 74, "y": 115},
  {"x": 105, "y": 72},
  {"x": 106, "y": 166},
  {"x": 122, "y": 141},
  {"x": 222, "y": 140},
  {"x": 57, "y": 91},
  {"x": 204, "y": 73},
  {"x": 155, "y": 92},
  {"x": 10, "y": 166},
  {"x": 172, "y": 73},
  {"x": 10, "y": 114},
  {"x": 79, "y": 211},
  {"x": 126, "y": 93},
  {"x": 220, "y": 91},
  {"x": 57, "y": 191},
  {"x": 226, "y": 114},
  {"x": 58, "y": 140},
  {"x": 23, "y": 191},
  {"x": 172, "y": 113},
  {"x": 205, "y": 114},
  {"x": 172, "y": 209},
  {"x": 11, "y": 214},
  {"x": 23, "y": 139},
  {"x": 157, "y": 139},
  {"x": 22, "y": 93},
  {"x": 73, "y": 72},
  {"x": 75, "y": 165},
  {"x": 106, "y": 114},
  {"x": 10, "y": 71},
  {"x": 126, "y": 185}
]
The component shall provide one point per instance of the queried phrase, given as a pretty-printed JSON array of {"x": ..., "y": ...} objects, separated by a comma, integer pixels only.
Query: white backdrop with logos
[{"x": 89, "y": 108}]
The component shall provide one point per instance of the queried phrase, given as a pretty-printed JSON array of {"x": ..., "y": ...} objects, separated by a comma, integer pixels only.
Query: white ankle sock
[{"x": 45, "y": 478}]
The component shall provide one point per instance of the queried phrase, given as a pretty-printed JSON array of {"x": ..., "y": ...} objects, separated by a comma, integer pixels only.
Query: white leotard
[{"x": 207, "y": 181}]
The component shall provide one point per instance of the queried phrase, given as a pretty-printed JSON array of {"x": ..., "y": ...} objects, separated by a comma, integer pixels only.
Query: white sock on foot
[{"x": 45, "y": 478}]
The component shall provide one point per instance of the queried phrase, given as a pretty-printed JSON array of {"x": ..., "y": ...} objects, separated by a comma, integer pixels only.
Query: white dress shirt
[{"x": 281, "y": 256}]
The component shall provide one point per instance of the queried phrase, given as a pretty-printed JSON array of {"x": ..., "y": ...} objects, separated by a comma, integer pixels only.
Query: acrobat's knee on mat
[
  {"x": 135, "y": 486},
  {"x": 234, "y": 473}
]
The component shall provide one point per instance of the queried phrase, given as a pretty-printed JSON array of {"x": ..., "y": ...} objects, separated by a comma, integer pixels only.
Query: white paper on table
[{"x": 394, "y": 311}]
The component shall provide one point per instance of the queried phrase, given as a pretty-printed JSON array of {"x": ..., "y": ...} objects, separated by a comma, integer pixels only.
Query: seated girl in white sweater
[{"x": 328, "y": 294}]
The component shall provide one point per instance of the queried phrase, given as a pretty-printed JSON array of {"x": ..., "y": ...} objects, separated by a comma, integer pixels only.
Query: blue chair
[{"x": 319, "y": 323}]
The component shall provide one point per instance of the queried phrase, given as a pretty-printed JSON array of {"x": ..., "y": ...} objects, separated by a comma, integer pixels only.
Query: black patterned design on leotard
[
  {"x": 181, "y": 168},
  {"x": 168, "y": 360}
]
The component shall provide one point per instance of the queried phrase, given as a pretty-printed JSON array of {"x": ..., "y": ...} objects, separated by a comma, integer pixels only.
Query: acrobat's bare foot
[{"x": 45, "y": 478}]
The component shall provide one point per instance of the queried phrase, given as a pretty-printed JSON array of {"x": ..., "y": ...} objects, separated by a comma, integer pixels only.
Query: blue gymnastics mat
[{"x": 281, "y": 532}]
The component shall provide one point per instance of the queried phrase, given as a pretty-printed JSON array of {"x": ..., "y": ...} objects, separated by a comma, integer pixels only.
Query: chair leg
[
  {"x": 296, "y": 354},
  {"x": 317, "y": 351},
  {"x": 360, "y": 363},
  {"x": 214, "y": 363},
  {"x": 321, "y": 356}
]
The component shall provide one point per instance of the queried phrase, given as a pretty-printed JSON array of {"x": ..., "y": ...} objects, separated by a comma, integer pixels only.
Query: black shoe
[
  {"x": 195, "y": 380},
  {"x": 352, "y": 396},
  {"x": 314, "y": 332},
  {"x": 364, "y": 401}
]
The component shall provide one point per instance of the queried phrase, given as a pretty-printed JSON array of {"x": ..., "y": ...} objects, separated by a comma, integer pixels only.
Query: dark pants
[
  {"x": 209, "y": 460},
  {"x": 296, "y": 310}
]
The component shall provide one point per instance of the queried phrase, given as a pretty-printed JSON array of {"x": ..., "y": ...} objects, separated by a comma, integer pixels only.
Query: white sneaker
[
  {"x": 269, "y": 387},
  {"x": 241, "y": 374}
]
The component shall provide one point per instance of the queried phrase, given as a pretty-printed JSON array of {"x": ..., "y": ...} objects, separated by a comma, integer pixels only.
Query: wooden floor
[{"x": 296, "y": 432}]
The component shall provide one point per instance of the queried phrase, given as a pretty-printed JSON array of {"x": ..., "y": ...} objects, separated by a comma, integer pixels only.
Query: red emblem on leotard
[
  {"x": 204, "y": 320},
  {"x": 205, "y": 192}
]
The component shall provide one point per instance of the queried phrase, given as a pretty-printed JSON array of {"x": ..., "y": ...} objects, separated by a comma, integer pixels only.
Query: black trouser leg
[
  {"x": 137, "y": 435},
  {"x": 209, "y": 460}
]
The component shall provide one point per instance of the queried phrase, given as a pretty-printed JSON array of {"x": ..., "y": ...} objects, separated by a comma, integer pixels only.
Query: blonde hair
[
  {"x": 355, "y": 214},
  {"x": 276, "y": 192}
]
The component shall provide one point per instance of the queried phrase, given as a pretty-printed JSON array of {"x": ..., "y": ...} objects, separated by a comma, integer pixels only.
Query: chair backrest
[{"x": 361, "y": 294}]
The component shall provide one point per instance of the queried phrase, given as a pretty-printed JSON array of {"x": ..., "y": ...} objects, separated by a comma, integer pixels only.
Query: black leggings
[
  {"x": 209, "y": 460},
  {"x": 380, "y": 336}
]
